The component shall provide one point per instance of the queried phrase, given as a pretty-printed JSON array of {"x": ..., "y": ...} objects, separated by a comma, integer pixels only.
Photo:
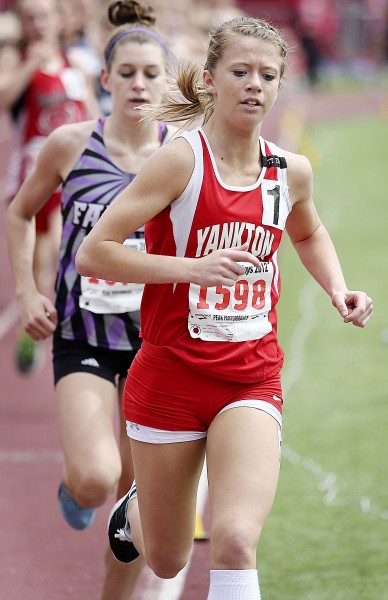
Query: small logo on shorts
[
  {"x": 90, "y": 362},
  {"x": 134, "y": 426},
  {"x": 276, "y": 398}
]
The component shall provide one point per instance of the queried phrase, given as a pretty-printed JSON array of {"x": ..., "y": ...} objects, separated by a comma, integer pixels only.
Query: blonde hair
[{"x": 197, "y": 101}]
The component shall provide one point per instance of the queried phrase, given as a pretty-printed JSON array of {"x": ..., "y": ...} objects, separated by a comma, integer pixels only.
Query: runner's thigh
[
  {"x": 243, "y": 460},
  {"x": 86, "y": 405},
  {"x": 167, "y": 478}
]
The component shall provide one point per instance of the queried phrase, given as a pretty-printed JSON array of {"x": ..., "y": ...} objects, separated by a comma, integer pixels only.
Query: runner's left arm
[
  {"x": 315, "y": 247},
  {"x": 32, "y": 196}
]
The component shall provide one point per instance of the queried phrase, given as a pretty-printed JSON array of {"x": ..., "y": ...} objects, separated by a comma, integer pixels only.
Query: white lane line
[
  {"x": 329, "y": 486},
  {"x": 8, "y": 317},
  {"x": 30, "y": 456}
]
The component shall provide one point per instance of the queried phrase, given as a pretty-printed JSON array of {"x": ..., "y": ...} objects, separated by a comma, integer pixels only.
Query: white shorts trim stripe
[
  {"x": 142, "y": 433},
  {"x": 260, "y": 405}
]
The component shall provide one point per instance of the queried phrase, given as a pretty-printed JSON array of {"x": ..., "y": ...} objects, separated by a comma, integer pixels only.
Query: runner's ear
[
  {"x": 208, "y": 82},
  {"x": 104, "y": 78}
]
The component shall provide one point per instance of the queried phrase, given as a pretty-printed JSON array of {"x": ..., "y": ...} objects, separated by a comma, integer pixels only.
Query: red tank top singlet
[{"x": 228, "y": 332}]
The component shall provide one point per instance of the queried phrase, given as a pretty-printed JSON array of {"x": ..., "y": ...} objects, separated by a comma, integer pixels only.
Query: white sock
[{"x": 234, "y": 585}]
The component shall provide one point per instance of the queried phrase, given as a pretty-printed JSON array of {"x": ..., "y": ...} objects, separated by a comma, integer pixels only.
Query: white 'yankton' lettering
[{"x": 229, "y": 235}]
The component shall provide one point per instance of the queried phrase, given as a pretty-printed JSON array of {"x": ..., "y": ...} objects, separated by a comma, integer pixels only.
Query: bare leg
[
  {"x": 92, "y": 459},
  {"x": 243, "y": 459},
  {"x": 121, "y": 579},
  {"x": 167, "y": 478}
]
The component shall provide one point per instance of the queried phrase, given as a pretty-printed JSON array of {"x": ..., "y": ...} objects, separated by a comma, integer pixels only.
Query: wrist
[
  {"x": 339, "y": 290},
  {"x": 24, "y": 293},
  {"x": 189, "y": 271}
]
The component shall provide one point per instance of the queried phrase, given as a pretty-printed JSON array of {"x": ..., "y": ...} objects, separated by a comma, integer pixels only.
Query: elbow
[{"x": 83, "y": 262}]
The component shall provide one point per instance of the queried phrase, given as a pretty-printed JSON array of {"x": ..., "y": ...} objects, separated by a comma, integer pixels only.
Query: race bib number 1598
[{"x": 237, "y": 313}]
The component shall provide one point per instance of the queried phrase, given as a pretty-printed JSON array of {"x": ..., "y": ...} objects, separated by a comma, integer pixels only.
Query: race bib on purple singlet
[{"x": 112, "y": 297}]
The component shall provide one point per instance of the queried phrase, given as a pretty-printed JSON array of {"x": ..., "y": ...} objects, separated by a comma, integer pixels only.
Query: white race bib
[
  {"x": 233, "y": 314},
  {"x": 112, "y": 297}
]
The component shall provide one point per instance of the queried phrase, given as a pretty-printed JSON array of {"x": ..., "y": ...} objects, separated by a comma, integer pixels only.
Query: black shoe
[{"x": 119, "y": 532}]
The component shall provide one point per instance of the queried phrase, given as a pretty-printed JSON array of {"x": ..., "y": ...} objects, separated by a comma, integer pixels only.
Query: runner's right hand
[
  {"x": 221, "y": 267},
  {"x": 38, "y": 316}
]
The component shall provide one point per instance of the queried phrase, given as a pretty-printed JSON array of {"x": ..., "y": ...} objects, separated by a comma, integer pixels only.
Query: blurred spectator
[
  {"x": 319, "y": 20},
  {"x": 9, "y": 25},
  {"x": 41, "y": 89},
  {"x": 379, "y": 14},
  {"x": 80, "y": 33},
  {"x": 311, "y": 52},
  {"x": 280, "y": 12},
  {"x": 6, "y": 5},
  {"x": 384, "y": 45}
]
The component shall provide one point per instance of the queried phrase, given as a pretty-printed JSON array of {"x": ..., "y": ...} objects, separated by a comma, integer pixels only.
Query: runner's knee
[
  {"x": 164, "y": 564},
  {"x": 92, "y": 487},
  {"x": 233, "y": 546}
]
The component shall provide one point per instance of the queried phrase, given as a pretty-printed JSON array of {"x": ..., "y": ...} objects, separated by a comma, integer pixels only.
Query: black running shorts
[{"x": 80, "y": 357}]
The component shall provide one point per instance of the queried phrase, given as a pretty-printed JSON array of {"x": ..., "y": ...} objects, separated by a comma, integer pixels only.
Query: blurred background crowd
[{"x": 330, "y": 38}]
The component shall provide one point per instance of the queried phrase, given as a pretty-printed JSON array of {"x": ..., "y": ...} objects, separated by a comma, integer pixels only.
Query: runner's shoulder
[
  {"x": 173, "y": 162},
  {"x": 295, "y": 161},
  {"x": 65, "y": 144},
  {"x": 71, "y": 138},
  {"x": 299, "y": 177}
]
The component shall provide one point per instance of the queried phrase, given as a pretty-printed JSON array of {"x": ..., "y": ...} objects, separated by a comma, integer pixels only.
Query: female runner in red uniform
[{"x": 215, "y": 202}]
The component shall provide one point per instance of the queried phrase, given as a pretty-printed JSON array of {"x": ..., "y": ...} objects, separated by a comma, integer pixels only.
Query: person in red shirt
[
  {"x": 41, "y": 89},
  {"x": 206, "y": 380}
]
